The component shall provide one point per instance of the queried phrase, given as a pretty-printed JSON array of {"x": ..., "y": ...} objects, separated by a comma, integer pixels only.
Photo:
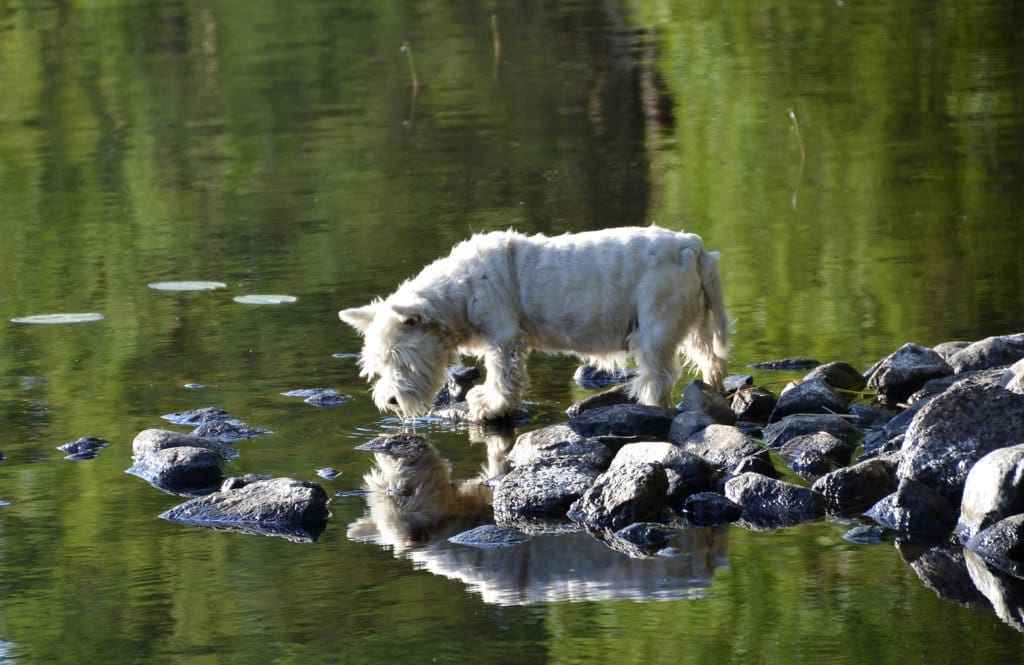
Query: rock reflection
[
  {"x": 414, "y": 506},
  {"x": 1004, "y": 591}
]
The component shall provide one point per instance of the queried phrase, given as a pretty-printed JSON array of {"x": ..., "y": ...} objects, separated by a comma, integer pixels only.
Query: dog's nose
[{"x": 393, "y": 401}]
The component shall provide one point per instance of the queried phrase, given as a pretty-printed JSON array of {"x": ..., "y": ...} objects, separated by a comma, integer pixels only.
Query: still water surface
[{"x": 859, "y": 166}]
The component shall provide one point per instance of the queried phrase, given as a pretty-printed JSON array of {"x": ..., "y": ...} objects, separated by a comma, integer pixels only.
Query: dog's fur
[{"x": 607, "y": 296}]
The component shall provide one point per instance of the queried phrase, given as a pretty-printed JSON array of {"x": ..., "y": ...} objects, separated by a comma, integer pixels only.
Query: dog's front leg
[{"x": 507, "y": 380}]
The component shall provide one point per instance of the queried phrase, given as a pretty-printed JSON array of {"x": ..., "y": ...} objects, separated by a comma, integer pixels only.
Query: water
[{"x": 279, "y": 149}]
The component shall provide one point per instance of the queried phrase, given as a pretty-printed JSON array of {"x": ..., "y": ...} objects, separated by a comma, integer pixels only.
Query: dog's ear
[
  {"x": 412, "y": 314},
  {"x": 359, "y": 318}
]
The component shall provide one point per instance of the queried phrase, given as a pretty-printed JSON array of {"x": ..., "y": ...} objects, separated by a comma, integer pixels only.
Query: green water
[{"x": 279, "y": 148}]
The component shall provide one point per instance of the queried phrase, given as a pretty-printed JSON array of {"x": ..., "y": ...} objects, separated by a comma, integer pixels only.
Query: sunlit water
[{"x": 858, "y": 167}]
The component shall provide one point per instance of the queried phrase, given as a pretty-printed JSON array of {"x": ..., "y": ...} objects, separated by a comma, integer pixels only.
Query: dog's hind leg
[
  {"x": 507, "y": 380},
  {"x": 657, "y": 367}
]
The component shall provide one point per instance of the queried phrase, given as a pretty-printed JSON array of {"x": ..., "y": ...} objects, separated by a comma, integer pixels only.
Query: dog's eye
[{"x": 412, "y": 321}]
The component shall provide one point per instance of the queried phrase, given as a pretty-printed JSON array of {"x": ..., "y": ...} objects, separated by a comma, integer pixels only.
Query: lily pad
[
  {"x": 80, "y": 317},
  {"x": 265, "y": 299},
  {"x": 187, "y": 286}
]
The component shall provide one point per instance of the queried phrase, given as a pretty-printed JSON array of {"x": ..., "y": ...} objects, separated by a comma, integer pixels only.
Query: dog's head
[{"x": 405, "y": 353}]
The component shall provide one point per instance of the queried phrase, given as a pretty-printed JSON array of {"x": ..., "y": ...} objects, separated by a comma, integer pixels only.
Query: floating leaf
[
  {"x": 187, "y": 286},
  {"x": 265, "y": 299},
  {"x": 81, "y": 317}
]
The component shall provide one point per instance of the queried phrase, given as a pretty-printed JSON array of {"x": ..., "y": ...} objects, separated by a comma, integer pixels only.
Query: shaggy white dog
[{"x": 606, "y": 296}]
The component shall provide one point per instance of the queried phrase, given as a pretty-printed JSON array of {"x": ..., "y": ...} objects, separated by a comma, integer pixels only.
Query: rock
[
  {"x": 458, "y": 381},
  {"x": 1013, "y": 378},
  {"x": 490, "y": 537},
  {"x": 956, "y": 429},
  {"x": 754, "y": 405},
  {"x": 86, "y": 447},
  {"x": 758, "y": 462},
  {"x": 640, "y": 539},
  {"x": 809, "y": 397},
  {"x": 284, "y": 507},
  {"x": 407, "y": 446},
  {"x": 149, "y": 441},
  {"x": 631, "y": 493},
  {"x": 842, "y": 377},
  {"x": 989, "y": 353},
  {"x": 943, "y": 569},
  {"x": 542, "y": 489},
  {"x": 814, "y": 455},
  {"x": 858, "y": 487},
  {"x": 914, "y": 508},
  {"x": 702, "y": 398},
  {"x": 227, "y": 431},
  {"x": 686, "y": 424},
  {"x": 590, "y": 377},
  {"x": 993, "y": 490},
  {"x": 615, "y": 424},
  {"x": 1001, "y": 545},
  {"x": 184, "y": 470},
  {"x": 200, "y": 416},
  {"x": 558, "y": 441},
  {"x": 710, "y": 509},
  {"x": 721, "y": 445},
  {"x": 1004, "y": 592},
  {"x": 736, "y": 382},
  {"x": 608, "y": 398},
  {"x": 687, "y": 473},
  {"x": 769, "y": 503},
  {"x": 869, "y": 416},
  {"x": 328, "y": 473},
  {"x": 234, "y": 482},
  {"x": 787, "y": 364},
  {"x": 778, "y": 433},
  {"x": 865, "y": 534},
  {"x": 949, "y": 349},
  {"x": 904, "y": 371}
]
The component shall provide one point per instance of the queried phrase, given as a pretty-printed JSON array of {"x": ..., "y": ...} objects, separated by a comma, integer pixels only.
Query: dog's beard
[{"x": 408, "y": 383}]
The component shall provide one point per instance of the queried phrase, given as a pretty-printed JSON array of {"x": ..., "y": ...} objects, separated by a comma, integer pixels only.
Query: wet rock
[
  {"x": 736, "y": 382},
  {"x": 904, "y": 371},
  {"x": 590, "y": 377},
  {"x": 227, "y": 431},
  {"x": 943, "y": 569},
  {"x": 328, "y": 473},
  {"x": 787, "y": 364},
  {"x": 608, "y": 398},
  {"x": 702, "y": 398},
  {"x": 234, "y": 482},
  {"x": 890, "y": 438},
  {"x": 914, "y": 508},
  {"x": 1001, "y": 545},
  {"x": 687, "y": 424},
  {"x": 721, "y": 445},
  {"x": 542, "y": 489},
  {"x": 408, "y": 446},
  {"x": 490, "y": 537},
  {"x": 710, "y": 509},
  {"x": 809, "y": 397},
  {"x": 954, "y": 430},
  {"x": 989, "y": 353},
  {"x": 1013, "y": 378},
  {"x": 869, "y": 416},
  {"x": 558, "y": 441},
  {"x": 458, "y": 381},
  {"x": 758, "y": 462},
  {"x": 858, "y": 487},
  {"x": 618, "y": 424},
  {"x": 768, "y": 503},
  {"x": 149, "y": 441},
  {"x": 320, "y": 397},
  {"x": 86, "y": 447},
  {"x": 814, "y": 455},
  {"x": 754, "y": 405},
  {"x": 842, "y": 377},
  {"x": 284, "y": 507},
  {"x": 778, "y": 433},
  {"x": 1004, "y": 592},
  {"x": 949, "y": 349},
  {"x": 865, "y": 534},
  {"x": 686, "y": 473},
  {"x": 640, "y": 539},
  {"x": 196, "y": 417},
  {"x": 993, "y": 490},
  {"x": 183, "y": 470},
  {"x": 631, "y": 493}
]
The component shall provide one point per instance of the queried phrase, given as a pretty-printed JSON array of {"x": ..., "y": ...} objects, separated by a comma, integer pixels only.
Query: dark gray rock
[
  {"x": 710, "y": 509},
  {"x": 736, "y": 382},
  {"x": 754, "y": 405},
  {"x": 86, "y": 447},
  {"x": 942, "y": 568},
  {"x": 280, "y": 507},
  {"x": 687, "y": 473},
  {"x": 787, "y": 364},
  {"x": 993, "y": 490},
  {"x": 196, "y": 417},
  {"x": 1013, "y": 378},
  {"x": 757, "y": 462},
  {"x": 858, "y": 487},
  {"x": 914, "y": 508},
  {"x": 949, "y": 349},
  {"x": 612, "y": 397},
  {"x": 590, "y": 377},
  {"x": 152, "y": 440},
  {"x": 809, "y": 397},
  {"x": 1004, "y": 592},
  {"x": 989, "y": 353},
  {"x": 768, "y": 503},
  {"x": 625, "y": 421},
  {"x": 843, "y": 378},
  {"x": 558, "y": 441},
  {"x": 649, "y": 536},
  {"x": 182, "y": 470},
  {"x": 458, "y": 381},
  {"x": 227, "y": 431},
  {"x": 956, "y": 429},
  {"x": 631, "y": 493},
  {"x": 328, "y": 473},
  {"x": 543, "y": 489},
  {"x": 778, "y": 433},
  {"x": 490, "y": 537},
  {"x": 409, "y": 446},
  {"x": 234, "y": 482},
  {"x": 814, "y": 455},
  {"x": 702, "y": 398},
  {"x": 904, "y": 371},
  {"x": 686, "y": 424},
  {"x": 870, "y": 417},
  {"x": 865, "y": 534},
  {"x": 1001, "y": 545},
  {"x": 721, "y": 445}
]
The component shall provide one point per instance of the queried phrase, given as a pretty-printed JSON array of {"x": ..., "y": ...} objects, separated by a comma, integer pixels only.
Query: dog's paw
[{"x": 486, "y": 404}]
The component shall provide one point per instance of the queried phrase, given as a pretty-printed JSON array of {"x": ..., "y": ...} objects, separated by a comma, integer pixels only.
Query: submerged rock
[
  {"x": 590, "y": 377},
  {"x": 787, "y": 364},
  {"x": 199, "y": 416},
  {"x": 227, "y": 431},
  {"x": 86, "y": 447},
  {"x": 490, "y": 537}
]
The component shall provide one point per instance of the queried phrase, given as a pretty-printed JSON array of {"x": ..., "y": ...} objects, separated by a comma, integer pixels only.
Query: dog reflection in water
[{"x": 412, "y": 496}]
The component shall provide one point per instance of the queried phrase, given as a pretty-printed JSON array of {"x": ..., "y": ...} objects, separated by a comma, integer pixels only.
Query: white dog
[{"x": 606, "y": 296}]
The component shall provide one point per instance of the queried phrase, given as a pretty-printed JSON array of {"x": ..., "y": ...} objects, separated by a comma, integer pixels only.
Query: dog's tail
[{"x": 714, "y": 301}]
